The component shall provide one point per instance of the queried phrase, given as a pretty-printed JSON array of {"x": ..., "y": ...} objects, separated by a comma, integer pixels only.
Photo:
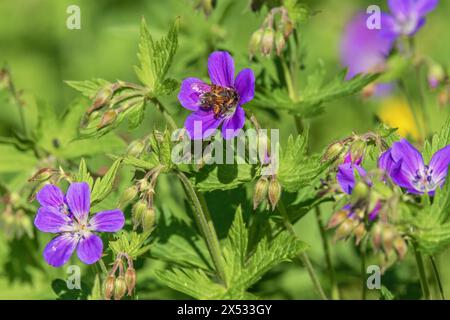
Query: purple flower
[
  {"x": 363, "y": 50},
  {"x": 406, "y": 167},
  {"x": 347, "y": 180},
  {"x": 406, "y": 18},
  {"x": 68, "y": 216},
  {"x": 218, "y": 103}
]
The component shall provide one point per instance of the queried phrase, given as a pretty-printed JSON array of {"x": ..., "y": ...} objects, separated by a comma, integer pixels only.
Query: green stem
[
  {"x": 414, "y": 110},
  {"x": 422, "y": 274},
  {"x": 165, "y": 113},
  {"x": 303, "y": 256},
  {"x": 438, "y": 277},
  {"x": 205, "y": 224},
  {"x": 19, "y": 105},
  {"x": 103, "y": 266},
  {"x": 335, "y": 295},
  {"x": 363, "y": 248}
]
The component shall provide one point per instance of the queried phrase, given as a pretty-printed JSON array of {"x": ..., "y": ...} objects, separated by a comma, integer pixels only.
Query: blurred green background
[{"x": 42, "y": 53}]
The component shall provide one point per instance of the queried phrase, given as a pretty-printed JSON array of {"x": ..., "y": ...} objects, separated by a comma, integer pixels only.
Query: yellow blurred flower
[{"x": 396, "y": 113}]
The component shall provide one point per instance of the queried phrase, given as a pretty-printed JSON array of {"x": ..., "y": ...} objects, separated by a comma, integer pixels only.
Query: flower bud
[
  {"x": 137, "y": 212},
  {"x": 444, "y": 97},
  {"x": 135, "y": 148},
  {"x": 120, "y": 287},
  {"x": 280, "y": 42},
  {"x": 260, "y": 191},
  {"x": 267, "y": 41},
  {"x": 274, "y": 192},
  {"x": 148, "y": 219},
  {"x": 359, "y": 192},
  {"x": 102, "y": 97},
  {"x": 130, "y": 279},
  {"x": 400, "y": 247},
  {"x": 359, "y": 232},
  {"x": 5, "y": 79},
  {"x": 107, "y": 118},
  {"x": 255, "y": 42},
  {"x": 41, "y": 175},
  {"x": 337, "y": 218},
  {"x": 129, "y": 194},
  {"x": 357, "y": 150},
  {"x": 436, "y": 75},
  {"x": 345, "y": 229},
  {"x": 376, "y": 236},
  {"x": 388, "y": 236},
  {"x": 109, "y": 286},
  {"x": 333, "y": 151},
  {"x": 368, "y": 91},
  {"x": 287, "y": 27}
]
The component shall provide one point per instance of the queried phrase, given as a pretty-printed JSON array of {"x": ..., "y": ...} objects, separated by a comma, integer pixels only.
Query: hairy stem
[
  {"x": 302, "y": 256},
  {"x": 438, "y": 277},
  {"x": 363, "y": 249},
  {"x": 422, "y": 274},
  {"x": 205, "y": 224},
  {"x": 326, "y": 250}
]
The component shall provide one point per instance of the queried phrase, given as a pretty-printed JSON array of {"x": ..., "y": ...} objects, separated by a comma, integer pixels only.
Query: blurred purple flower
[
  {"x": 219, "y": 103},
  {"x": 406, "y": 18},
  {"x": 347, "y": 180},
  {"x": 363, "y": 50},
  {"x": 406, "y": 167},
  {"x": 68, "y": 216}
]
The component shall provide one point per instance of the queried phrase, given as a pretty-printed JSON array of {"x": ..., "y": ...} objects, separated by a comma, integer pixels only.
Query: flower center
[
  {"x": 406, "y": 24},
  {"x": 423, "y": 181},
  {"x": 221, "y": 100}
]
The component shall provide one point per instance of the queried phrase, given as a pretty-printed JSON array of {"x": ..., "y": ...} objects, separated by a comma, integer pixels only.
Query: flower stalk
[
  {"x": 422, "y": 274},
  {"x": 206, "y": 226}
]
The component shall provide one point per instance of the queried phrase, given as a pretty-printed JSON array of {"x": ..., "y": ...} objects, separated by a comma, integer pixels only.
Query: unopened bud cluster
[
  {"x": 143, "y": 212},
  {"x": 14, "y": 221},
  {"x": 353, "y": 147},
  {"x": 112, "y": 100},
  {"x": 46, "y": 176},
  {"x": 120, "y": 281},
  {"x": 267, "y": 190},
  {"x": 273, "y": 34}
]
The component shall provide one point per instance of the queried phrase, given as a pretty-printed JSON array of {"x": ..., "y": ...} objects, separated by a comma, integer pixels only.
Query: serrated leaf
[
  {"x": 103, "y": 186},
  {"x": 155, "y": 58},
  {"x": 222, "y": 177},
  {"x": 297, "y": 169},
  {"x": 88, "y": 88},
  {"x": 439, "y": 140}
]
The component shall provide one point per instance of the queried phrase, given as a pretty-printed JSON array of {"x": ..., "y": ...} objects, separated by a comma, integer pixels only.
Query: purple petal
[
  {"x": 50, "y": 196},
  {"x": 385, "y": 162},
  {"x": 190, "y": 93},
  {"x": 108, "y": 221},
  {"x": 90, "y": 249},
  {"x": 363, "y": 50},
  {"x": 221, "y": 69},
  {"x": 423, "y": 7},
  {"x": 412, "y": 161},
  {"x": 232, "y": 125},
  {"x": 400, "y": 176},
  {"x": 439, "y": 164},
  {"x": 78, "y": 199},
  {"x": 389, "y": 29},
  {"x": 58, "y": 251},
  {"x": 374, "y": 213},
  {"x": 401, "y": 7},
  {"x": 201, "y": 124},
  {"x": 245, "y": 85},
  {"x": 346, "y": 176},
  {"x": 50, "y": 219}
]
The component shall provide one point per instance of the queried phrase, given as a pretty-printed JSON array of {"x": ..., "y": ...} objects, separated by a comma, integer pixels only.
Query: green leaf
[
  {"x": 439, "y": 140},
  {"x": 103, "y": 186},
  {"x": 222, "y": 177},
  {"x": 96, "y": 292},
  {"x": 385, "y": 294},
  {"x": 314, "y": 94},
  {"x": 297, "y": 169},
  {"x": 155, "y": 58},
  {"x": 14, "y": 160},
  {"x": 132, "y": 243},
  {"x": 88, "y": 88},
  {"x": 242, "y": 269}
]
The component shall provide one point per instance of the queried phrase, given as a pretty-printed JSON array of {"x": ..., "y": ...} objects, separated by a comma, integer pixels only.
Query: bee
[{"x": 221, "y": 100}]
